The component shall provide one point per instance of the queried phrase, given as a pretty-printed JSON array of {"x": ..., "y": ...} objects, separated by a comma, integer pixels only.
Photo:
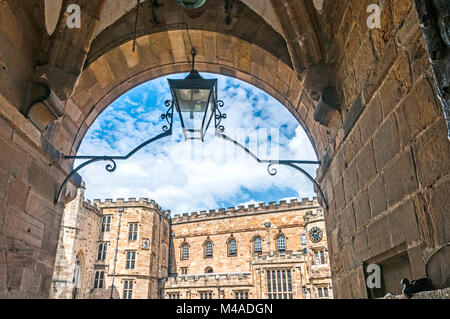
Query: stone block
[
  {"x": 9, "y": 160},
  {"x": 3, "y": 185},
  {"x": 5, "y": 129},
  {"x": 347, "y": 220},
  {"x": 364, "y": 57},
  {"x": 400, "y": 178},
  {"x": 400, "y": 9},
  {"x": 23, "y": 227},
  {"x": 350, "y": 179},
  {"x": 361, "y": 246},
  {"x": 378, "y": 237},
  {"x": 417, "y": 262},
  {"x": 30, "y": 281},
  {"x": 371, "y": 119},
  {"x": 362, "y": 209},
  {"x": 365, "y": 164},
  {"x": 386, "y": 142},
  {"x": 339, "y": 196},
  {"x": 431, "y": 154},
  {"x": 402, "y": 223},
  {"x": 377, "y": 196},
  {"x": 352, "y": 145},
  {"x": 17, "y": 194},
  {"x": 439, "y": 200},
  {"x": 416, "y": 112}
]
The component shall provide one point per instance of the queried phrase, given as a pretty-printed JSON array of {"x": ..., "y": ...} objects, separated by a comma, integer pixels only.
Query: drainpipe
[
  {"x": 115, "y": 255},
  {"x": 267, "y": 225}
]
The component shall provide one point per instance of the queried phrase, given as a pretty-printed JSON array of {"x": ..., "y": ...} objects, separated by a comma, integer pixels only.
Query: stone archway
[
  {"x": 119, "y": 70},
  {"x": 385, "y": 167}
]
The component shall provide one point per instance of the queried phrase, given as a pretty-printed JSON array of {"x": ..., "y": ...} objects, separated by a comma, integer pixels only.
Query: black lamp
[{"x": 195, "y": 99}]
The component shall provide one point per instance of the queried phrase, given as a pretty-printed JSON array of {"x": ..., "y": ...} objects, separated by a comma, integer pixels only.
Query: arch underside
[{"x": 168, "y": 52}]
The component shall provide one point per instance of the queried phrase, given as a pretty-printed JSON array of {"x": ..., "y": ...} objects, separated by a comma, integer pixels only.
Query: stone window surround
[
  {"x": 205, "y": 244},
  {"x": 229, "y": 241},
  {"x": 182, "y": 246},
  {"x": 134, "y": 233},
  {"x": 131, "y": 259},
  {"x": 277, "y": 246}
]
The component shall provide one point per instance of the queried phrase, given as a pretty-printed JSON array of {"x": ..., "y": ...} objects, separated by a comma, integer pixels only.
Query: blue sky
[{"x": 193, "y": 176}]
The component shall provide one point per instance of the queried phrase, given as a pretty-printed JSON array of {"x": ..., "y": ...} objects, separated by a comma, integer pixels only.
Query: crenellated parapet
[
  {"x": 205, "y": 280},
  {"x": 130, "y": 203},
  {"x": 314, "y": 216},
  {"x": 261, "y": 208},
  {"x": 278, "y": 257}
]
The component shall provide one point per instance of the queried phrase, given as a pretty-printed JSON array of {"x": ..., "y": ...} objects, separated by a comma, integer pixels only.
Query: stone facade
[
  {"x": 246, "y": 271},
  {"x": 142, "y": 257},
  {"x": 300, "y": 267}
]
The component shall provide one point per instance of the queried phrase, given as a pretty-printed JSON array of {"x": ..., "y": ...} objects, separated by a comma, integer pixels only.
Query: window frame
[
  {"x": 133, "y": 230},
  {"x": 230, "y": 253},
  {"x": 106, "y": 223},
  {"x": 205, "y": 253},
  {"x": 102, "y": 251},
  {"x": 260, "y": 245},
  {"x": 279, "y": 284},
  {"x": 128, "y": 286},
  {"x": 284, "y": 241},
  {"x": 130, "y": 260},
  {"x": 99, "y": 279},
  {"x": 184, "y": 254}
]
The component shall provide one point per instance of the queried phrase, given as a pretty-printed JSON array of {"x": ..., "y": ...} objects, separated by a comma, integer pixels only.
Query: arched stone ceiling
[
  {"x": 246, "y": 25},
  {"x": 167, "y": 52},
  {"x": 114, "y": 10}
]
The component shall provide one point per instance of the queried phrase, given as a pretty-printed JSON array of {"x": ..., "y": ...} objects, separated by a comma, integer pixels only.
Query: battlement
[
  {"x": 272, "y": 207},
  {"x": 277, "y": 257},
  {"x": 313, "y": 216},
  {"x": 90, "y": 206},
  {"x": 131, "y": 202},
  {"x": 202, "y": 280}
]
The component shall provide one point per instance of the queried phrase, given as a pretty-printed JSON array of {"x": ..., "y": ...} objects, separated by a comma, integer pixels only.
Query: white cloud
[{"x": 185, "y": 176}]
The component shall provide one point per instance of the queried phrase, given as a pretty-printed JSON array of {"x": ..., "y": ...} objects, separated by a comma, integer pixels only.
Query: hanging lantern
[{"x": 190, "y": 4}]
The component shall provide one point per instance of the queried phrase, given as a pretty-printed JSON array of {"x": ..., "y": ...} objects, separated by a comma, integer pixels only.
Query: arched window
[
  {"x": 185, "y": 251},
  {"x": 208, "y": 249},
  {"x": 232, "y": 248},
  {"x": 209, "y": 270},
  {"x": 281, "y": 243},
  {"x": 257, "y": 245}
]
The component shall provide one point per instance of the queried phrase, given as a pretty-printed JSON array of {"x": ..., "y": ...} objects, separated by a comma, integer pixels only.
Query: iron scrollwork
[
  {"x": 167, "y": 131},
  {"x": 271, "y": 163},
  {"x": 112, "y": 166},
  {"x": 220, "y": 116}
]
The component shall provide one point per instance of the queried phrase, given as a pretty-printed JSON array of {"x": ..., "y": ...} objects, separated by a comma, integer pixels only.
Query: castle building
[{"x": 134, "y": 250}]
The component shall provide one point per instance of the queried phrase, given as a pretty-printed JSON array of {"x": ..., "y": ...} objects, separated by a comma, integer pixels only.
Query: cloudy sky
[{"x": 193, "y": 176}]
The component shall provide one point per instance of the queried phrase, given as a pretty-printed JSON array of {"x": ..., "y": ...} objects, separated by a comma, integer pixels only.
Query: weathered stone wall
[
  {"x": 29, "y": 221},
  {"x": 389, "y": 176},
  {"x": 79, "y": 236}
]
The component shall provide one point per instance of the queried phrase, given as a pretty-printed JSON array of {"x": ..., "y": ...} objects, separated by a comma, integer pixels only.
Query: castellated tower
[{"x": 134, "y": 249}]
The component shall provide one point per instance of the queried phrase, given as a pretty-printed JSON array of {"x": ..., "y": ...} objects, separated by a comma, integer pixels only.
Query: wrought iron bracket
[
  {"x": 112, "y": 166},
  {"x": 273, "y": 171},
  {"x": 167, "y": 131}
]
